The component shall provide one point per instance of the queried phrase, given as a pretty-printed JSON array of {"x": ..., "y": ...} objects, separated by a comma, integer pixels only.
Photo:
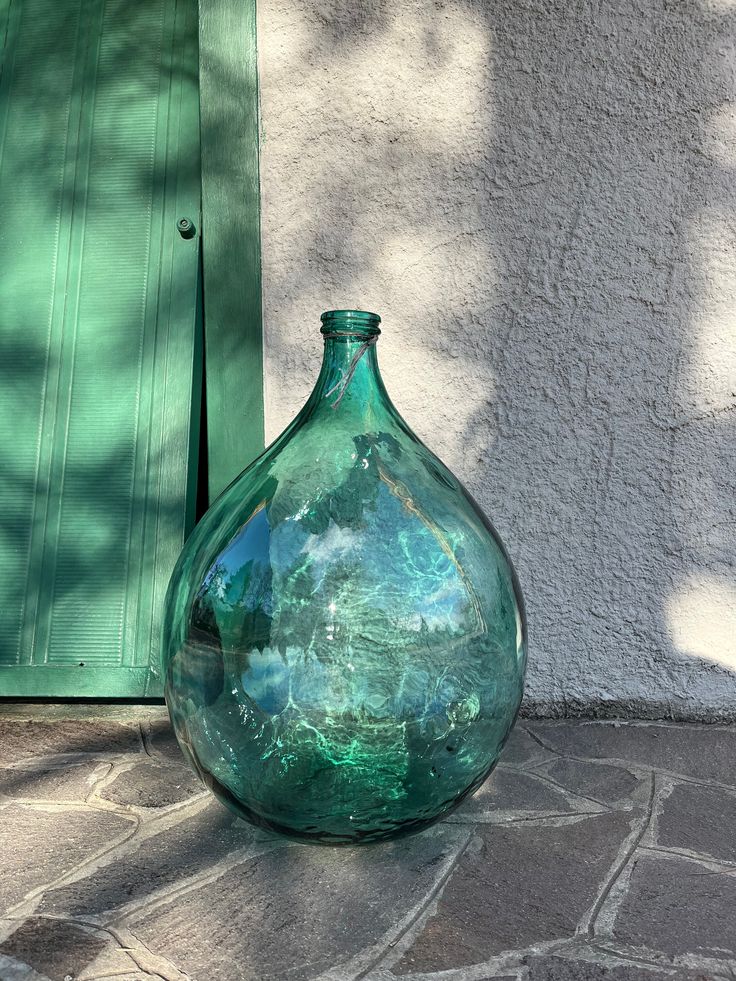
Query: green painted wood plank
[
  {"x": 231, "y": 237},
  {"x": 33, "y": 246},
  {"x": 180, "y": 295},
  {"x": 88, "y": 681}
]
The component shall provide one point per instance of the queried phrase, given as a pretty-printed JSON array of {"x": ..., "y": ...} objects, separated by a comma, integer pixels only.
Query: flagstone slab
[
  {"x": 151, "y": 785},
  {"x": 188, "y": 848},
  {"x": 699, "y": 819},
  {"x": 58, "y": 949},
  {"x": 520, "y": 793},
  {"x": 23, "y": 739},
  {"x": 561, "y": 968},
  {"x": 297, "y": 911},
  {"x": 68, "y": 782},
  {"x": 161, "y": 741},
  {"x": 521, "y": 749},
  {"x": 520, "y": 885},
  {"x": 677, "y": 906},
  {"x": 605, "y": 783},
  {"x": 40, "y": 845},
  {"x": 701, "y": 752}
]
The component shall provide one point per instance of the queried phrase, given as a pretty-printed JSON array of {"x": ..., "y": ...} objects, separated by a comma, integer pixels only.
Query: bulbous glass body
[{"x": 344, "y": 646}]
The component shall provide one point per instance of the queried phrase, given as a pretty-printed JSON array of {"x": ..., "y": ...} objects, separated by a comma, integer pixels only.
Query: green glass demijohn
[{"x": 344, "y": 642}]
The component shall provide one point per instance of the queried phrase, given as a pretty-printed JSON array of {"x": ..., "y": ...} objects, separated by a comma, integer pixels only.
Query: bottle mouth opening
[{"x": 347, "y": 322}]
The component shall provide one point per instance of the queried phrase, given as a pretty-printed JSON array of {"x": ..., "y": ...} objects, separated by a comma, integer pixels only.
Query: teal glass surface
[{"x": 344, "y": 644}]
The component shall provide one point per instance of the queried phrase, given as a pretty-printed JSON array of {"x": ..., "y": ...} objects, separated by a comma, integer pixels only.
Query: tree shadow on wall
[
  {"x": 610, "y": 473},
  {"x": 557, "y": 252}
]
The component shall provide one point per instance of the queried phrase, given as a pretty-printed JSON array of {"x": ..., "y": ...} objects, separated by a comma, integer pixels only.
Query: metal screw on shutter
[{"x": 186, "y": 227}]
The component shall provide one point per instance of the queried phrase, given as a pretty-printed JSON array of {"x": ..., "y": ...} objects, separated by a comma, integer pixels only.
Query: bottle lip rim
[{"x": 350, "y": 321}]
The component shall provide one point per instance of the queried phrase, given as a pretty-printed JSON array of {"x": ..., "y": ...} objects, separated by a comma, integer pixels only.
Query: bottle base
[{"x": 306, "y": 835}]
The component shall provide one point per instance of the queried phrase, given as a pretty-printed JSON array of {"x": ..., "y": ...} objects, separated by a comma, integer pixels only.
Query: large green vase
[{"x": 344, "y": 645}]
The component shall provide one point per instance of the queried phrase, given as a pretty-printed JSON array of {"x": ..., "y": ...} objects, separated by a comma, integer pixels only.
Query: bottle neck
[{"x": 349, "y": 382}]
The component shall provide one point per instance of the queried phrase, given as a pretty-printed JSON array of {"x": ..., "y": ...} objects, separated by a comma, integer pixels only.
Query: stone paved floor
[{"x": 597, "y": 850}]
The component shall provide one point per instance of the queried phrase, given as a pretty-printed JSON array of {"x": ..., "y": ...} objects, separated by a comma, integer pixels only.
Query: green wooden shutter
[{"x": 99, "y": 325}]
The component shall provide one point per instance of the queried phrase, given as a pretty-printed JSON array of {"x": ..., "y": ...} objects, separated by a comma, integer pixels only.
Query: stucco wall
[{"x": 539, "y": 199}]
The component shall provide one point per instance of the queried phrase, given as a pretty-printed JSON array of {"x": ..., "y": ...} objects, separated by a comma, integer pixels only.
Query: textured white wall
[{"x": 538, "y": 196}]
